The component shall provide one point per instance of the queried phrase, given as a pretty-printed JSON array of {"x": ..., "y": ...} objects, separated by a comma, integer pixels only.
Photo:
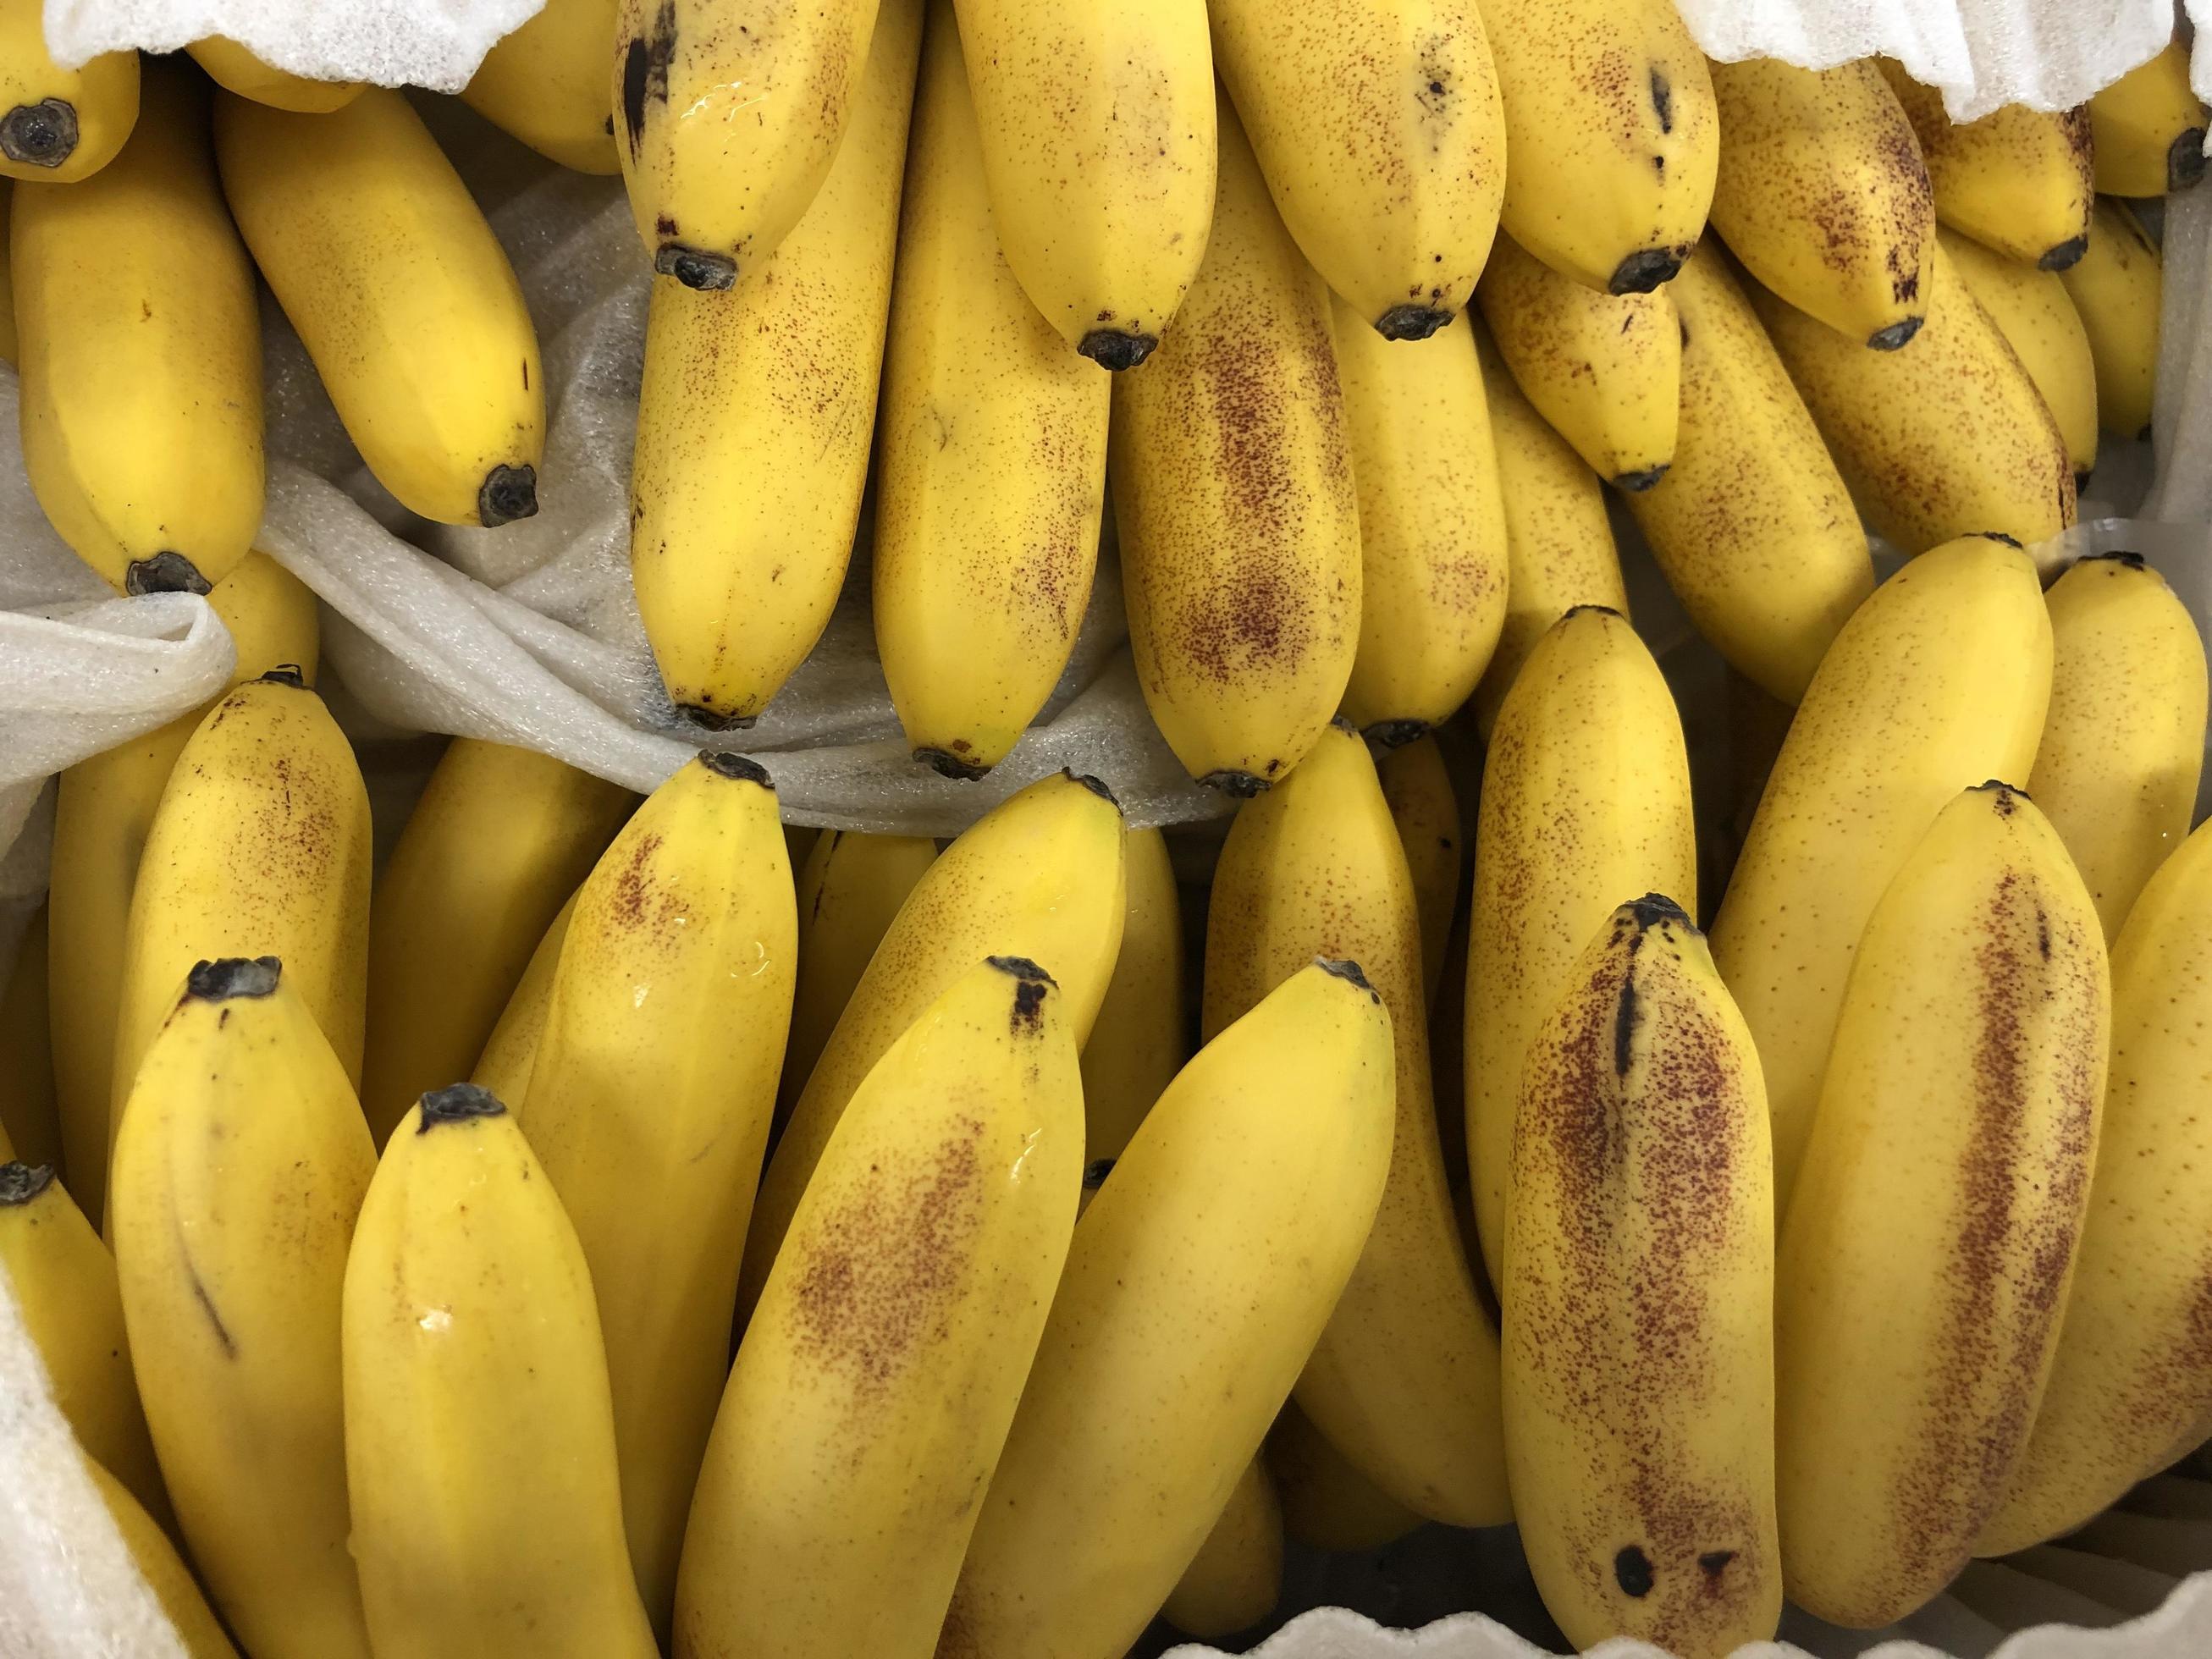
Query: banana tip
[
  {"x": 284, "y": 673},
  {"x": 1647, "y": 268},
  {"x": 712, "y": 720},
  {"x": 21, "y": 1183},
  {"x": 1345, "y": 968},
  {"x": 1396, "y": 734},
  {"x": 1095, "y": 1173},
  {"x": 1241, "y": 786},
  {"x": 456, "y": 1103},
  {"x": 2065, "y": 256},
  {"x": 1655, "y": 909},
  {"x": 165, "y": 573},
  {"x": 1896, "y": 335},
  {"x": 739, "y": 769},
  {"x": 1635, "y": 483},
  {"x": 1116, "y": 349},
  {"x": 2124, "y": 557},
  {"x": 227, "y": 977},
  {"x": 695, "y": 268},
  {"x": 1095, "y": 785},
  {"x": 40, "y": 134},
  {"x": 508, "y": 493},
  {"x": 2184, "y": 161},
  {"x": 946, "y": 764},
  {"x": 1412, "y": 322}
]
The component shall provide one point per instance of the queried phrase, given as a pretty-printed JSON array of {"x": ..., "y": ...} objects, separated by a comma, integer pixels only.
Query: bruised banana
[{"x": 59, "y": 126}]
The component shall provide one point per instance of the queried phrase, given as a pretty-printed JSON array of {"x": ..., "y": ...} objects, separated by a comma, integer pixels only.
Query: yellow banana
[
  {"x": 1604, "y": 369},
  {"x": 2148, "y": 127},
  {"x": 991, "y": 471},
  {"x": 1585, "y": 805},
  {"x": 2117, "y": 289},
  {"x": 1139, "y": 1041},
  {"x": 1041, "y": 876},
  {"x": 1097, "y": 127},
  {"x": 1198, "y": 1282},
  {"x": 2018, "y": 180},
  {"x": 1403, "y": 1379},
  {"x": 754, "y": 423},
  {"x": 1638, "y": 1301},
  {"x": 30, "y": 1124},
  {"x": 1431, "y": 527},
  {"x": 243, "y": 1148},
  {"x": 163, "y": 1570},
  {"x": 9, "y": 352},
  {"x": 878, "y": 1376},
  {"x": 1824, "y": 196},
  {"x": 1234, "y": 503},
  {"x": 1380, "y": 131},
  {"x": 1236, "y": 1576},
  {"x": 656, "y": 1074},
  {"x": 1952, "y": 440},
  {"x": 2032, "y": 309},
  {"x": 1925, "y": 1257},
  {"x": 510, "y": 1053},
  {"x": 1938, "y": 680},
  {"x": 496, "y": 843},
  {"x": 59, "y": 126},
  {"x": 1418, "y": 789},
  {"x": 480, "y": 1447},
  {"x": 401, "y": 294},
  {"x": 141, "y": 342},
  {"x": 2123, "y": 744},
  {"x": 546, "y": 84},
  {"x": 1753, "y": 526},
  {"x": 2132, "y": 1388},
  {"x": 234, "y": 69},
  {"x": 1327, "y": 1503},
  {"x": 1613, "y": 137}
]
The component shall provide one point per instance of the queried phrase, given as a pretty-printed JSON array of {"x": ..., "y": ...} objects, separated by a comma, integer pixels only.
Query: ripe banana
[
  {"x": 1380, "y": 131},
  {"x": 510, "y": 1053},
  {"x": 546, "y": 84},
  {"x": 1950, "y": 442},
  {"x": 1041, "y": 876},
  {"x": 1638, "y": 1301},
  {"x": 1234, "y": 502},
  {"x": 1097, "y": 127},
  {"x": 234, "y": 69},
  {"x": 1925, "y": 1258},
  {"x": 1327, "y": 1503},
  {"x": 480, "y": 1447},
  {"x": 1139, "y": 1041},
  {"x": 991, "y": 471},
  {"x": 1236, "y": 1576},
  {"x": 164, "y": 1571},
  {"x": 1939, "y": 679},
  {"x": 141, "y": 342},
  {"x": 242, "y": 1146},
  {"x": 732, "y": 114},
  {"x": 1417, "y": 787},
  {"x": 401, "y": 294},
  {"x": 2118, "y": 290},
  {"x": 59, "y": 126},
  {"x": 1824, "y": 196},
  {"x": 656, "y": 1074},
  {"x": 30, "y": 1125},
  {"x": 1585, "y": 805},
  {"x": 754, "y": 423},
  {"x": 1198, "y": 1282},
  {"x": 2123, "y": 744},
  {"x": 1431, "y": 527},
  {"x": 1753, "y": 526},
  {"x": 497, "y": 842},
  {"x": 2131, "y": 1390},
  {"x": 2018, "y": 180},
  {"x": 2148, "y": 126},
  {"x": 2033, "y": 311},
  {"x": 877, "y": 1382},
  {"x": 1604, "y": 369}
]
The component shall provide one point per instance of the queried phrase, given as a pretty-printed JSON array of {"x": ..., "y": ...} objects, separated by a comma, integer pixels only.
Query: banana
[
  {"x": 754, "y": 423},
  {"x": 2032, "y": 309},
  {"x": 2118, "y": 290},
  {"x": 1139, "y": 1041},
  {"x": 991, "y": 471},
  {"x": 546, "y": 84},
  {"x": 1952, "y": 440},
  {"x": 1614, "y": 135},
  {"x": 196, "y": 1628},
  {"x": 1234, "y": 503},
  {"x": 1099, "y": 144},
  {"x": 2148, "y": 127},
  {"x": 261, "y": 845},
  {"x": 1197, "y": 1281},
  {"x": 1938, "y": 680},
  {"x": 234, "y": 69},
  {"x": 656, "y": 1074},
  {"x": 402, "y": 295},
  {"x": 1585, "y": 805},
  {"x": 1041, "y": 876},
  {"x": 2131, "y": 1390},
  {"x": 1924, "y": 1261},
  {"x": 10, "y": 352},
  {"x": 1559, "y": 550},
  {"x": 480, "y": 1447},
  {"x": 243, "y": 1146},
  {"x": 1236, "y": 1576},
  {"x": 103, "y": 810},
  {"x": 876, "y": 1383},
  {"x": 1431, "y": 527},
  {"x": 64, "y": 1283},
  {"x": 1403, "y": 1379},
  {"x": 1824, "y": 196},
  {"x": 1417, "y": 787},
  {"x": 497, "y": 842},
  {"x": 59, "y": 126},
  {"x": 510, "y": 1053},
  {"x": 141, "y": 342},
  {"x": 30, "y": 1124},
  {"x": 2019, "y": 180},
  {"x": 1638, "y": 1301},
  {"x": 1604, "y": 369},
  {"x": 2123, "y": 743},
  {"x": 1379, "y": 128},
  {"x": 1327, "y": 1503},
  {"x": 1751, "y": 526}
]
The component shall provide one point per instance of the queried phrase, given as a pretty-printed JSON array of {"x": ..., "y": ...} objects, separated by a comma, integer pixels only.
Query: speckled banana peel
[
  {"x": 56, "y": 126},
  {"x": 2117, "y": 289},
  {"x": 2039, "y": 320}
]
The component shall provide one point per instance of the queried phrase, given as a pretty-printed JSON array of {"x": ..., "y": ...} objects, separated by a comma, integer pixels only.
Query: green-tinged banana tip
[
  {"x": 456, "y": 1103},
  {"x": 508, "y": 493},
  {"x": 227, "y": 977},
  {"x": 165, "y": 573},
  {"x": 21, "y": 1183},
  {"x": 40, "y": 134},
  {"x": 1116, "y": 349}
]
